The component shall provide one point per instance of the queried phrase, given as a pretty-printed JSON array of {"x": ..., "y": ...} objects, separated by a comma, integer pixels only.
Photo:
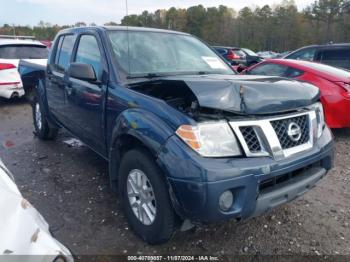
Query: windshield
[
  {"x": 249, "y": 52},
  {"x": 23, "y": 52},
  {"x": 145, "y": 53}
]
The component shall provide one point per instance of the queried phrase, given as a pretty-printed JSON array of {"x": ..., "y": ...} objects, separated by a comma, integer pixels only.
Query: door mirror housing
[{"x": 82, "y": 71}]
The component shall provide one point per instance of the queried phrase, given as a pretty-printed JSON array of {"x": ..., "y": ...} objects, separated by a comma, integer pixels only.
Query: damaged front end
[
  {"x": 220, "y": 96},
  {"x": 241, "y": 115}
]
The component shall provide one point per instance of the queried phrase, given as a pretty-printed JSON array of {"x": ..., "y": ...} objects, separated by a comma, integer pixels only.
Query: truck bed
[{"x": 31, "y": 71}]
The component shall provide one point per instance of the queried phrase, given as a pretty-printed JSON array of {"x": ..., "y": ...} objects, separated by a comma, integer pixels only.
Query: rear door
[
  {"x": 56, "y": 73},
  {"x": 335, "y": 56},
  {"x": 84, "y": 98}
]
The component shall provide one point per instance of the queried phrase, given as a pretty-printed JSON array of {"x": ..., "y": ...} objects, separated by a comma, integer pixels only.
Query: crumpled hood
[{"x": 247, "y": 94}]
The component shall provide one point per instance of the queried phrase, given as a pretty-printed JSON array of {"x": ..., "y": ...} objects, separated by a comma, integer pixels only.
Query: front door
[{"x": 85, "y": 99}]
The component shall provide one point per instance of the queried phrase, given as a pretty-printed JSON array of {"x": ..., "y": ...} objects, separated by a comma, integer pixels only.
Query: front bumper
[
  {"x": 289, "y": 191},
  {"x": 258, "y": 184}
]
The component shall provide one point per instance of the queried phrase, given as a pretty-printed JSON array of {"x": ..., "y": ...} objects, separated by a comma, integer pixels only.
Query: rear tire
[
  {"x": 145, "y": 198},
  {"x": 41, "y": 126}
]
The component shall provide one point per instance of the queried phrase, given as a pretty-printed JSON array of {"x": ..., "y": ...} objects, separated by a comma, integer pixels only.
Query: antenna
[
  {"x": 127, "y": 32},
  {"x": 127, "y": 8}
]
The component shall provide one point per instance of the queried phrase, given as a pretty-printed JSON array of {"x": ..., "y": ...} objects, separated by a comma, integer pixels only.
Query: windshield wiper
[
  {"x": 154, "y": 75},
  {"x": 149, "y": 75}
]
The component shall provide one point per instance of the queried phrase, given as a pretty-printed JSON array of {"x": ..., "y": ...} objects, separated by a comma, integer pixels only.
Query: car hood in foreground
[{"x": 23, "y": 231}]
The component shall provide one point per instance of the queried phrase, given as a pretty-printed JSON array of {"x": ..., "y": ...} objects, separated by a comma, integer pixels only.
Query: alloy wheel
[{"x": 141, "y": 197}]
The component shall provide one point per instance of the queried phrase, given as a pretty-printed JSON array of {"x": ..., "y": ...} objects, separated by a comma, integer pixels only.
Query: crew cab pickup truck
[{"x": 187, "y": 140}]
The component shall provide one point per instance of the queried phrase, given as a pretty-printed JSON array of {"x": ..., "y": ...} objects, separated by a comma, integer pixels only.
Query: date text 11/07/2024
[{"x": 173, "y": 258}]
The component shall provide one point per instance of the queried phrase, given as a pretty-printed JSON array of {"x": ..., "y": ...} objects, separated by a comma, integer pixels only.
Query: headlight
[
  {"x": 210, "y": 139},
  {"x": 320, "y": 118}
]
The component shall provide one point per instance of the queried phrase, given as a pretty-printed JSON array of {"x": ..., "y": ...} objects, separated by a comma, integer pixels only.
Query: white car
[
  {"x": 267, "y": 54},
  {"x": 23, "y": 231},
  {"x": 11, "y": 52}
]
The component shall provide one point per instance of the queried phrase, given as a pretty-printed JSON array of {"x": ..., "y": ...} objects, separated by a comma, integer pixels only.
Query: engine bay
[{"x": 179, "y": 96}]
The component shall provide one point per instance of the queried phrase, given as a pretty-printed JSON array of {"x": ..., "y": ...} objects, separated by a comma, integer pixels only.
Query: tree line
[{"x": 279, "y": 28}]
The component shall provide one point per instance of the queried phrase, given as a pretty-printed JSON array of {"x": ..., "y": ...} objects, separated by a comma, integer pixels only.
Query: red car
[
  {"x": 48, "y": 43},
  {"x": 334, "y": 84}
]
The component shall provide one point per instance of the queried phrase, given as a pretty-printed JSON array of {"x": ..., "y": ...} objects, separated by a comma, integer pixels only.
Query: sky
[{"x": 30, "y": 12}]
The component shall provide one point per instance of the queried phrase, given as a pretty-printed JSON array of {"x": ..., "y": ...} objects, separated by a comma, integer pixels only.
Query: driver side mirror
[{"x": 82, "y": 71}]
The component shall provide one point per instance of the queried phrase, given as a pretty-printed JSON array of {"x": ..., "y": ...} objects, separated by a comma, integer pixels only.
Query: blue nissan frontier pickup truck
[{"x": 187, "y": 139}]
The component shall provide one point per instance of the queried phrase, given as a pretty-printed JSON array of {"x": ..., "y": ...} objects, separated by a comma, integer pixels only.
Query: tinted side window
[
  {"x": 336, "y": 57},
  {"x": 221, "y": 51},
  {"x": 305, "y": 54},
  {"x": 269, "y": 70},
  {"x": 23, "y": 52},
  {"x": 293, "y": 72},
  {"x": 89, "y": 53},
  {"x": 58, "y": 49},
  {"x": 65, "y": 52}
]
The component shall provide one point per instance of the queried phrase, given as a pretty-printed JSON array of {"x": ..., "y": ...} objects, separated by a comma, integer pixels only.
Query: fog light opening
[{"x": 226, "y": 200}]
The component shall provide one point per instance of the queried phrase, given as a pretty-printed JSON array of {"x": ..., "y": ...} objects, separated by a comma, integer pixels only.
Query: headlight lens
[
  {"x": 320, "y": 118},
  {"x": 210, "y": 139}
]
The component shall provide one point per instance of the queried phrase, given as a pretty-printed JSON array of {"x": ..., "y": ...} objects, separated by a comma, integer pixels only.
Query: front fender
[{"x": 147, "y": 128}]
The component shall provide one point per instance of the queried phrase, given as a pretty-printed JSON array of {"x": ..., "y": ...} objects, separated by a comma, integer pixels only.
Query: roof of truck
[{"x": 122, "y": 28}]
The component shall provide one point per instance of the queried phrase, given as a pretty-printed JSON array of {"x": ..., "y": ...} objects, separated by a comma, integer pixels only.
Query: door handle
[{"x": 69, "y": 89}]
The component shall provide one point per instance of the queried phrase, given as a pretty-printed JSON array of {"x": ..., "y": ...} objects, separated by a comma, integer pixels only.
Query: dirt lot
[{"x": 69, "y": 186}]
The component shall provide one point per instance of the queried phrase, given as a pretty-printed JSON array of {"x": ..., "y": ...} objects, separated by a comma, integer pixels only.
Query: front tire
[
  {"x": 145, "y": 197},
  {"x": 41, "y": 126}
]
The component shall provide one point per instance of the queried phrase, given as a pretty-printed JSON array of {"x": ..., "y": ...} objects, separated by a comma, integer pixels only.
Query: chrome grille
[
  {"x": 270, "y": 136},
  {"x": 281, "y": 129},
  {"x": 251, "y": 138}
]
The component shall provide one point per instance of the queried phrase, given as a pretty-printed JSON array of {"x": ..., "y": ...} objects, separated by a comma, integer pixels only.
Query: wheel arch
[{"x": 136, "y": 128}]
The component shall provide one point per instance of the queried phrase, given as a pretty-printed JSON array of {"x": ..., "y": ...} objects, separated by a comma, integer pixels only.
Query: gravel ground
[{"x": 69, "y": 186}]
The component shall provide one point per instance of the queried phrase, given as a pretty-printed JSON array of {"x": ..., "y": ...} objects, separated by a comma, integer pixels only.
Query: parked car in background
[
  {"x": 23, "y": 231},
  {"x": 47, "y": 43},
  {"x": 334, "y": 84},
  {"x": 283, "y": 54},
  {"x": 331, "y": 54},
  {"x": 187, "y": 140},
  {"x": 267, "y": 54},
  {"x": 11, "y": 52},
  {"x": 238, "y": 56}
]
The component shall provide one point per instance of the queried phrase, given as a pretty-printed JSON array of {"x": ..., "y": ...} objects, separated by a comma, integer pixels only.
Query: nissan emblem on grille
[{"x": 294, "y": 131}]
